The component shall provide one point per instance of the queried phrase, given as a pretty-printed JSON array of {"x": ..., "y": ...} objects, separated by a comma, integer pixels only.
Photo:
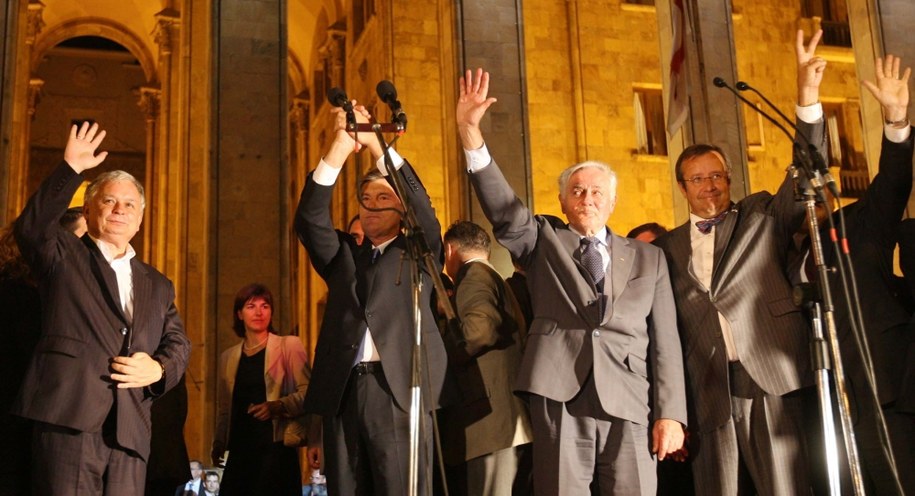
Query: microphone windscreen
[
  {"x": 337, "y": 97},
  {"x": 386, "y": 91}
]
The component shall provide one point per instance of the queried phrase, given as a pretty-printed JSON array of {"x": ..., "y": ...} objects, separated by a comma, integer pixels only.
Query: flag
[{"x": 677, "y": 105}]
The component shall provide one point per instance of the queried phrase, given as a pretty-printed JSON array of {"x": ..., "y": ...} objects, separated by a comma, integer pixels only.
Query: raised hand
[
  {"x": 345, "y": 142},
  {"x": 810, "y": 69},
  {"x": 81, "y": 146},
  {"x": 891, "y": 89},
  {"x": 472, "y": 106}
]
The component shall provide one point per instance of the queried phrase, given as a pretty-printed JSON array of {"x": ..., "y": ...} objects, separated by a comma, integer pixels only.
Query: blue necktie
[
  {"x": 592, "y": 261},
  {"x": 376, "y": 252}
]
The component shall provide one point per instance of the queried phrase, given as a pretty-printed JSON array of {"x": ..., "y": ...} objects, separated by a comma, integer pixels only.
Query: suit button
[
  {"x": 123, "y": 331},
  {"x": 712, "y": 299},
  {"x": 596, "y": 334},
  {"x": 353, "y": 346}
]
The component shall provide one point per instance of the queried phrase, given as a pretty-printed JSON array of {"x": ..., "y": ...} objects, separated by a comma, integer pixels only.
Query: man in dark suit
[
  {"x": 872, "y": 229},
  {"x": 745, "y": 342},
  {"x": 602, "y": 366},
  {"x": 111, "y": 337},
  {"x": 361, "y": 383},
  {"x": 484, "y": 429}
]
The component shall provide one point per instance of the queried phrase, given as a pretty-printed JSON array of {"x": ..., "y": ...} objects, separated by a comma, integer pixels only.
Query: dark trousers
[
  {"x": 73, "y": 463},
  {"x": 367, "y": 444}
]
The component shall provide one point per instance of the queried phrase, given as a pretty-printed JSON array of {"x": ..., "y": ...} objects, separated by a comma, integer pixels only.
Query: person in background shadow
[
  {"x": 647, "y": 232},
  {"x": 480, "y": 435}
]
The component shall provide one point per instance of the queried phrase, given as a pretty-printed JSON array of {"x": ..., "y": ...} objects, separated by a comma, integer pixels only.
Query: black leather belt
[{"x": 363, "y": 368}]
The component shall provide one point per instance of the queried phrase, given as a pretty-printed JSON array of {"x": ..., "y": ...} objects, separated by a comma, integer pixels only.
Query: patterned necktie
[
  {"x": 705, "y": 226},
  {"x": 592, "y": 261}
]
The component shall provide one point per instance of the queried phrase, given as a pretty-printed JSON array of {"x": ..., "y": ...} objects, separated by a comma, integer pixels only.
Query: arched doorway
[{"x": 88, "y": 78}]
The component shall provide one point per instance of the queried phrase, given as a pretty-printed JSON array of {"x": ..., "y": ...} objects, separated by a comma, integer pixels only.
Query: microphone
[
  {"x": 337, "y": 97},
  {"x": 803, "y": 152},
  {"x": 818, "y": 161},
  {"x": 388, "y": 94}
]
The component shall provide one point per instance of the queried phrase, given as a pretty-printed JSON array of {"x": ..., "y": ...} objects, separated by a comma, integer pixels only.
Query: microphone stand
[
  {"x": 421, "y": 255},
  {"x": 820, "y": 365},
  {"x": 847, "y": 277}
]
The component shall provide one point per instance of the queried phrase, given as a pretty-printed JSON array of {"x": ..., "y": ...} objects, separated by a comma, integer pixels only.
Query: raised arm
[
  {"x": 37, "y": 229},
  {"x": 891, "y": 89},
  {"x": 473, "y": 102},
  {"x": 312, "y": 222}
]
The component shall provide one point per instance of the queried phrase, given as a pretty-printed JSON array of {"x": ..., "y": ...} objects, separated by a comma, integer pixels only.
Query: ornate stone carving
[
  {"x": 34, "y": 95},
  {"x": 148, "y": 102},
  {"x": 166, "y": 19},
  {"x": 298, "y": 114},
  {"x": 34, "y": 21}
]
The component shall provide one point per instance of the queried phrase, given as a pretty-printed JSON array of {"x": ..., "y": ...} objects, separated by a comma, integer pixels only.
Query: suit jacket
[
  {"x": 631, "y": 347},
  {"x": 68, "y": 383},
  {"x": 362, "y": 294},
  {"x": 873, "y": 229},
  {"x": 489, "y": 417},
  {"x": 750, "y": 288},
  {"x": 286, "y": 379}
]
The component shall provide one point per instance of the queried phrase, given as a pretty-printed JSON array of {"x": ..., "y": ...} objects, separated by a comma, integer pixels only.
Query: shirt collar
[
  {"x": 600, "y": 235},
  {"x": 108, "y": 250},
  {"x": 383, "y": 246}
]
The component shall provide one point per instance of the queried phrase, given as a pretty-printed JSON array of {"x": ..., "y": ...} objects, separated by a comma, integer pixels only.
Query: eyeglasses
[{"x": 716, "y": 178}]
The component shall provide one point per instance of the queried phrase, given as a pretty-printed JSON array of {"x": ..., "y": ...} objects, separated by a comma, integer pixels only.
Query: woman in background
[{"x": 262, "y": 383}]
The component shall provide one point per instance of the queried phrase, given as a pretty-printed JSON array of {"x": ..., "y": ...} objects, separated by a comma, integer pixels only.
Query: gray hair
[
  {"x": 566, "y": 174},
  {"x": 110, "y": 177}
]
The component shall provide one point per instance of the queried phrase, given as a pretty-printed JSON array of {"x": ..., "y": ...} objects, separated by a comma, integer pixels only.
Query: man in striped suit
[{"x": 744, "y": 341}]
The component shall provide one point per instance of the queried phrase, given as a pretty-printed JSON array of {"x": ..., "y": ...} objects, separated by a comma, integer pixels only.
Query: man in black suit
[
  {"x": 111, "y": 337},
  {"x": 872, "y": 229},
  {"x": 360, "y": 383}
]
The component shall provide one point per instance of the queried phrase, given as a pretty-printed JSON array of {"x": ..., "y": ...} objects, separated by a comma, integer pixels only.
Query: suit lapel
[
  {"x": 681, "y": 251},
  {"x": 724, "y": 232},
  {"x": 272, "y": 359},
  {"x": 105, "y": 276},
  {"x": 142, "y": 292},
  {"x": 622, "y": 256}
]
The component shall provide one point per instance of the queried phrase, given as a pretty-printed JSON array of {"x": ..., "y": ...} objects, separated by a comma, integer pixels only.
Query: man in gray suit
[
  {"x": 745, "y": 342},
  {"x": 490, "y": 421},
  {"x": 602, "y": 367}
]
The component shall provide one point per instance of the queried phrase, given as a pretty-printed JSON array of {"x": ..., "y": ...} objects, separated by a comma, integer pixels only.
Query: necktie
[
  {"x": 705, "y": 226},
  {"x": 375, "y": 254},
  {"x": 592, "y": 261}
]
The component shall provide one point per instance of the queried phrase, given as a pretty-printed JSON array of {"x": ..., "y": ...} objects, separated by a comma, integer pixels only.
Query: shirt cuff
[
  {"x": 895, "y": 134},
  {"x": 325, "y": 174},
  {"x": 810, "y": 113},
  {"x": 477, "y": 159},
  {"x": 396, "y": 159}
]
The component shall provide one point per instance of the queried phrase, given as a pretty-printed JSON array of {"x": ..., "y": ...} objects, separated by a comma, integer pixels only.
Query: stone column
[
  {"x": 714, "y": 113},
  {"x": 149, "y": 103},
  {"x": 490, "y": 42},
  {"x": 250, "y": 242},
  {"x": 21, "y": 28}
]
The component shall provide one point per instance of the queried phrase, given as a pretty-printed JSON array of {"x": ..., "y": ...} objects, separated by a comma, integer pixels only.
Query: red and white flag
[{"x": 677, "y": 104}]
